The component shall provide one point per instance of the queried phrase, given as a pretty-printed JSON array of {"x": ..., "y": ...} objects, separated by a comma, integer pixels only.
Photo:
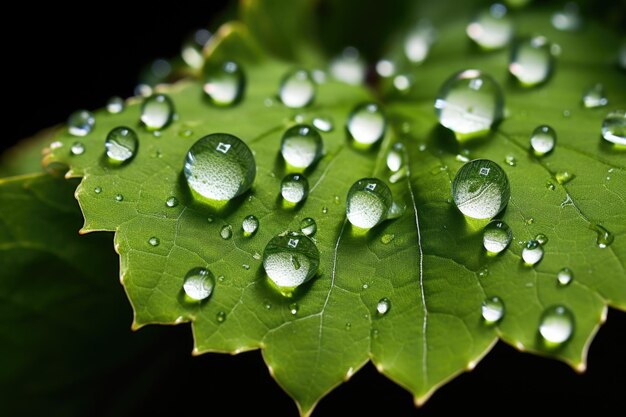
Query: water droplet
[
  {"x": 157, "y": 111},
  {"x": 301, "y": 146},
  {"x": 403, "y": 82},
  {"x": 530, "y": 221},
  {"x": 97, "y": 190},
  {"x": 383, "y": 306},
  {"x": 224, "y": 82},
  {"x": 115, "y": 105},
  {"x": 595, "y": 97},
  {"x": 319, "y": 76},
  {"x": 226, "y": 232},
  {"x": 256, "y": 256},
  {"x": 267, "y": 305},
  {"x": 81, "y": 122},
  {"x": 497, "y": 235},
  {"x": 294, "y": 188},
  {"x": 365, "y": 286},
  {"x": 368, "y": 203},
  {"x": 483, "y": 273},
  {"x": 492, "y": 309},
  {"x": 419, "y": 41},
  {"x": 171, "y": 202},
  {"x": 245, "y": 266},
  {"x": 250, "y": 224},
  {"x": 564, "y": 277},
  {"x": 550, "y": 186},
  {"x": 121, "y": 144},
  {"x": 119, "y": 197},
  {"x": 209, "y": 219},
  {"x": 293, "y": 308},
  {"x": 220, "y": 317},
  {"x": 221, "y": 278},
  {"x": 531, "y": 61},
  {"x": 385, "y": 68},
  {"x": 348, "y": 327},
  {"x": 185, "y": 133},
  {"x": 532, "y": 252},
  {"x": 324, "y": 210},
  {"x": 541, "y": 239},
  {"x": 542, "y": 140},
  {"x": 387, "y": 238},
  {"x": 323, "y": 123},
  {"x": 396, "y": 157},
  {"x": 605, "y": 238},
  {"x": 568, "y": 19},
  {"x": 614, "y": 127},
  {"x": 469, "y": 103},
  {"x": 491, "y": 29},
  {"x": 556, "y": 325},
  {"x": 348, "y": 67},
  {"x": 154, "y": 241},
  {"x": 297, "y": 89},
  {"x": 199, "y": 283},
  {"x": 510, "y": 160},
  {"x": 367, "y": 123},
  {"x": 308, "y": 226},
  {"x": 278, "y": 261},
  {"x": 219, "y": 167},
  {"x": 563, "y": 177},
  {"x": 77, "y": 148},
  {"x": 481, "y": 189}
]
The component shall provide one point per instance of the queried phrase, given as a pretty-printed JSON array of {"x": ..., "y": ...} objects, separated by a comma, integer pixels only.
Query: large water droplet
[
  {"x": 368, "y": 203},
  {"x": 224, "y": 82},
  {"x": 556, "y": 325},
  {"x": 595, "y": 97},
  {"x": 497, "y": 235},
  {"x": 250, "y": 224},
  {"x": 115, "y": 105},
  {"x": 418, "y": 42},
  {"x": 491, "y": 29},
  {"x": 532, "y": 252},
  {"x": 348, "y": 67},
  {"x": 568, "y": 19},
  {"x": 396, "y": 157},
  {"x": 199, "y": 284},
  {"x": 542, "y": 140},
  {"x": 77, "y": 148},
  {"x": 481, "y": 189},
  {"x": 294, "y": 188},
  {"x": 383, "y": 306},
  {"x": 290, "y": 259},
  {"x": 301, "y": 146},
  {"x": 367, "y": 123},
  {"x": 604, "y": 237},
  {"x": 614, "y": 127},
  {"x": 308, "y": 226},
  {"x": 492, "y": 309},
  {"x": 531, "y": 61},
  {"x": 157, "y": 111},
  {"x": 80, "y": 123},
  {"x": 564, "y": 277},
  {"x": 469, "y": 103},
  {"x": 297, "y": 89},
  {"x": 121, "y": 144},
  {"x": 219, "y": 167}
]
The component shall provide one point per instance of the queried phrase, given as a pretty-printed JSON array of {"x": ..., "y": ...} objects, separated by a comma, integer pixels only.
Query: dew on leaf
[
  {"x": 367, "y": 123},
  {"x": 595, "y": 96},
  {"x": 77, "y": 148},
  {"x": 301, "y": 146},
  {"x": 491, "y": 28},
  {"x": 564, "y": 277},
  {"x": 198, "y": 283},
  {"x": 81, "y": 123},
  {"x": 492, "y": 309},
  {"x": 290, "y": 259},
  {"x": 348, "y": 67},
  {"x": 383, "y": 306},
  {"x": 542, "y": 140},
  {"x": 556, "y": 325},
  {"x": 294, "y": 188},
  {"x": 223, "y": 82},
  {"x": 481, "y": 189},
  {"x": 226, "y": 232},
  {"x": 171, "y": 202},
  {"x": 250, "y": 224},
  {"x": 614, "y": 127},
  {"x": 308, "y": 226},
  {"x": 115, "y": 105},
  {"x": 157, "y": 111},
  {"x": 154, "y": 241},
  {"x": 121, "y": 144},
  {"x": 368, "y": 203},
  {"x": 297, "y": 89},
  {"x": 532, "y": 252},
  {"x": 497, "y": 235}
]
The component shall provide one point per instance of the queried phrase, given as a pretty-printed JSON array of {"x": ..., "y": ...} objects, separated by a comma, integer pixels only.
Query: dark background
[{"x": 55, "y": 65}]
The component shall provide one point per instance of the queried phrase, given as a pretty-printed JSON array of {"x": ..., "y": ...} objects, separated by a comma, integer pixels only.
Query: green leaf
[
  {"x": 429, "y": 263},
  {"x": 25, "y": 157}
]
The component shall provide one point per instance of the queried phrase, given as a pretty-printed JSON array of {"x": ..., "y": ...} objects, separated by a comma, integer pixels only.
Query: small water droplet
[
  {"x": 294, "y": 188},
  {"x": 348, "y": 67},
  {"x": 221, "y": 278},
  {"x": 226, "y": 232},
  {"x": 481, "y": 189},
  {"x": 614, "y": 127},
  {"x": 510, "y": 160},
  {"x": 198, "y": 283},
  {"x": 568, "y": 19},
  {"x": 419, "y": 41},
  {"x": 324, "y": 210},
  {"x": 469, "y": 103},
  {"x": 385, "y": 68},
  {"x": 308, "y": 226},
  {"x": 492, "y": 309},
  {"x": 250, "y": 225},
  {"x": 374, "y": 333},
  {"x": 293, "y": 308},
  {"x": 403, "y": 82},
  {"x": 81, "y": 122},
  {"x": 171, "y": 202},
  {"x": 491, "y": 29},
  {"x": 367, "y": 123},
  {"x": 223, "y": 82},
  {"x": 387, "y": 238},
  {"x": 301, "y": 146},
  {"x": 209, "y": 219},
  {"x": 154, "y": 241},
  {"x": 297, "y": 89},
  {"x": 604, "y": 237},
  {"x": 348, "y": 327},
  {"x": 157, "y": 111},
  {"x": 279, "y": 256},
  {"x": 550, "y": 186},
  {"x": 383, "y": 306},
  {"x": 77, "y": 148},
  {"x": 563, "y": 177},
  {"x": 119, "y": 197},
  {"x": 365, "y": 286},
  {"x": 564, "y": 277},
  {"x": 531, "y": 61},
  {"x": 396, "y": 157},
  {"x": 115, "y": 105},
  {"x": 323, "y": 123},
  {"x": 483, "y": 273},
  {"x": 185, "y": 133},
  {"x": 542, "y": 140},
  {"x": 268, "y": 305},
  {"x": 497, "y": 235},
  {"x": 532, "y": 252},
  {"x": 191, "y": 50},
  {"x": 219, "y": 167},
  {"x": 256, "y": 256},
  {"x": 245, "y": 266},
  {"x": 556, "y": 325},
  {"x": 595, "y": 97},
  {"x": 541, "y": 239},
  {"x": 368, "y": 203},
  {"x": 97, "y": 190},
  {"x": 220, "y": 317}
]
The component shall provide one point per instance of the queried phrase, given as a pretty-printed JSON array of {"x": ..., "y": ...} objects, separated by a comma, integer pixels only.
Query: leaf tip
[
  {"x": 580, "y": 367},
  {"x": 135, "y": 326}
]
